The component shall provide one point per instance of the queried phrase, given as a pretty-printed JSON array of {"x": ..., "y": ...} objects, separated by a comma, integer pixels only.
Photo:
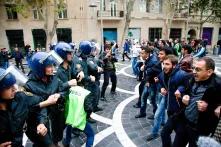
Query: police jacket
[
  {"x": 93, "y": 64},
  {"x": 14, "y": 118}
]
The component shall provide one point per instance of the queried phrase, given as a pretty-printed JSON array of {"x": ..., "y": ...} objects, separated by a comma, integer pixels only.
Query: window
[
  {"x": 104, "y": 5},
  {"x": 175, "y": 33},
  {"x": 142, "y": 6},
  {"x": 207, "y": 35},
  {"x": 134, "y": 33},
  {"x": 155, "y": 33},
  {"x": 64, "y": 34},
  {"x": 147, "y": 6},
  {"x": 36, "y": 13},
  {"x": 15, "y": 38},
  {"x": 11, "y": 13},
  {"x": 113, "y": 8},
  {"x": 62, "y": 10},
  {"x": 39, "y": 38}
]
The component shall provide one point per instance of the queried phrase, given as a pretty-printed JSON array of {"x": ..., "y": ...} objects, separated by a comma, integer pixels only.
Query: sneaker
[
  {"x": 113, "y": 92},
  {"x": 140, "y": 115},
  {"x": 103, "y": 99},
  {"x": 152, "y": 137},
  {"x": 136, "y": 106},
  {"x": 151, "y": 117}
]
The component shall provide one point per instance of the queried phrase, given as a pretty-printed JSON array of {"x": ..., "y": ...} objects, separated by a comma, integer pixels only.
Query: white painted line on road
[
  {"x": 117, "y": 123},
  {"x": 101, "y": 135},
  {"x": 124, "y": 91},
  {"x": 126, "y": 74},
  {"x": 121, "y": 63},
  {"x": 119, "y": 89},
  {"x": 101, "y": 119}
]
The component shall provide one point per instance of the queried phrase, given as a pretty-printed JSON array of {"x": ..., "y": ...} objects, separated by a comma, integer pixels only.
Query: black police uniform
[
  {"x": 13, "y": 119},
  {"x": 55, "y": 113}
]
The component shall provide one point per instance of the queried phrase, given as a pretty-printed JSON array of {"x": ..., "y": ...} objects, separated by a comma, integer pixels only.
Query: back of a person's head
[
  {"x": 188, "y": 48},
  {"x": 167, "y": 50}
]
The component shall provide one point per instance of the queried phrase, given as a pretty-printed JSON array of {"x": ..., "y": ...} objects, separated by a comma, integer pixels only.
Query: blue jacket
[
  {"x": 178, "y": 80},
  {"x": 126, "y": 47},
  {"x": 201, "y": 52},
  {"x": 152, "y": 68}
]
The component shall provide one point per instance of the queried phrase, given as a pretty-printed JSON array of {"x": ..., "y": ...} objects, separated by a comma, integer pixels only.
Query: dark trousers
[
  {"x": 98, "y": 93},
  {"x": 109, "y": 75},
  {"x": 141, "y": 88},
  {"x": 95, "y": 92},
  {"x": 173, "y": 123},
  {"x": 125, "y": 54},
  {"x": 57, "y": 121},
  {"x": 38, "y": 140},
  {"x": 19, "y": 63},
  {"x": 187, "y": 134}
]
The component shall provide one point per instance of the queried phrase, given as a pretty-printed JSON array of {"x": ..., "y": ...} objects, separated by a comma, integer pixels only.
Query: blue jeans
[
  {"x": 144, "y": 97},
  {"x": 87, "y": 130},
  {"x": 151, "y": 90},
  {"x": 159, "y": 116},
  {"x": 134, "y": 62}
]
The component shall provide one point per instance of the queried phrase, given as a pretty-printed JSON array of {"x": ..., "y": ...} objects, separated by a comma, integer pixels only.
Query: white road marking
[
  {"x": 117, "y": 123},
  {"x": 101, "y": 119}
]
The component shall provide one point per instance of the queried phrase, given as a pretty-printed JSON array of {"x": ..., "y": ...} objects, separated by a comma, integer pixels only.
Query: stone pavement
[{"x": 116, "y": 125}]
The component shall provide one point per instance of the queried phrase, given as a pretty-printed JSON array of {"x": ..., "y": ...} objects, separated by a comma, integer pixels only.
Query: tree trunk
[
  {"x": 50, "y": 31},
  {"x": 129, "y": 9},
  {"x": 201, "y": 24}
]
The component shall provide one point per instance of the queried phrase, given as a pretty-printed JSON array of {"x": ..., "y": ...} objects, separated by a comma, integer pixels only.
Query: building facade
[{"x": 80, "y": 20}]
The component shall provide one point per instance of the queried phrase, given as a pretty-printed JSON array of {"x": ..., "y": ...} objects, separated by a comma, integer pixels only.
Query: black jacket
[
  {"x": 38, "y": 87},
  {"x": 207, "y": 120},
  {"x": 13, "y": 120}
]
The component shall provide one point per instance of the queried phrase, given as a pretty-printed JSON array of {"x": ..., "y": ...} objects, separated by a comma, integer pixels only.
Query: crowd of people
[
  {"x": 183, "y": 90},
  {"x": 176, "y": 77}
]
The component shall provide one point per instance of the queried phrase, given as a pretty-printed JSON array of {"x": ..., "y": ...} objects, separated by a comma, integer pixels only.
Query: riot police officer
[
  {"x": 88, "y": 81},
  {"x": 42, "y": 82},
  {"x": 15, "y": 108}
]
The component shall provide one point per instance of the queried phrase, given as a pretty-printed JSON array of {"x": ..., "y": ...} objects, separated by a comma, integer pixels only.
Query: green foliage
[{"x": 209, "y": 9}]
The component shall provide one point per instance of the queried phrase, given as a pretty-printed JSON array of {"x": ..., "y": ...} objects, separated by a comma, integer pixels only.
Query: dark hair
[
  {"x": 146, "y": 49},
  {"x": 172, "y": 58},
  {"x": 210, "y": 64},
  {"x": 188, "y": 48},
  {"x": 167, "y": 50}
]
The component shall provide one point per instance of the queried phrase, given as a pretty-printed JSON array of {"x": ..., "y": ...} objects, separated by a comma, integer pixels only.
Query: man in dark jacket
[
  {"x": 173, "y": 83},
  {"x": 186, "y": 61},
  {"x": 199, "y": 118},
  {"x": 18, "y": 58},
  {"x": 4, "y": 57},
  {"x": 151, "y": 69},
  {"x": 15, "y": 108},
  {"x": 42, "y": 82},
  {"x": 109, "y": 72}
]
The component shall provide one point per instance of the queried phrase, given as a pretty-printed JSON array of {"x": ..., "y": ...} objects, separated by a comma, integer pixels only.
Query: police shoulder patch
[{"x": 25, "y": 92}]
